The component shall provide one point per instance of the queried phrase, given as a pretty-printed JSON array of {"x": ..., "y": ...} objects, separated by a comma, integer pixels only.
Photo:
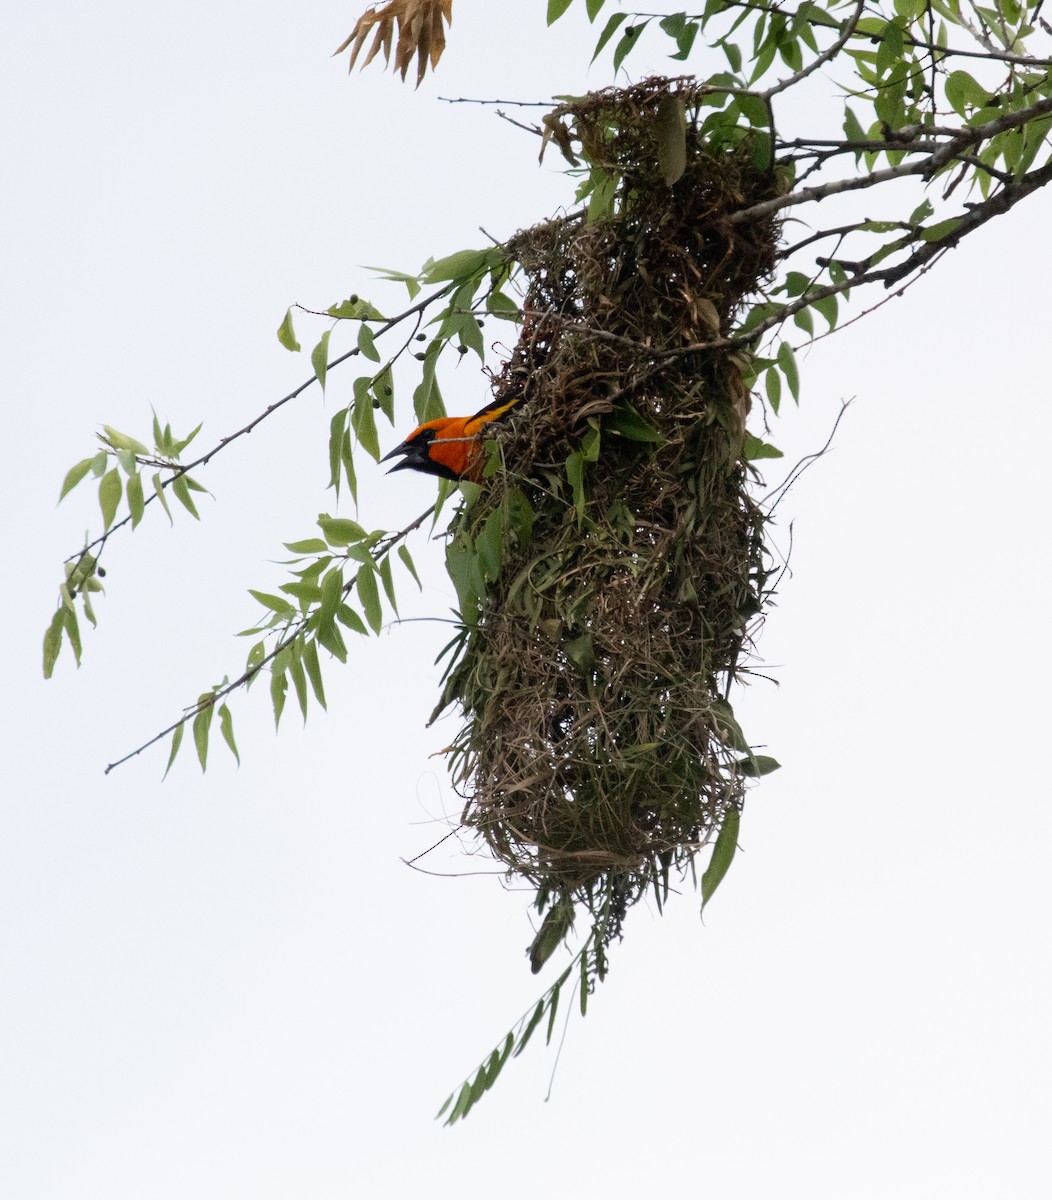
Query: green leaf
[
  {"x": 557, "y": 923},
  {"x": 963, "y": 92},
  {"x": 329, "y": 636},
  {"x": 828, "y": 307},
  {"x": 754, "y": 110},
  {"x": 787, "y": 362},
  {"x": 462, "y": 567},
  {"x": 581, "y": 653},
  {"x": 773, "y": 384},
  {"x": 336, "y": 430},
  {"x": 69, "y": 621},
  {"x": 853, "y": 130},
  {"x": 609, "y": 30},
  {"x": 889, "y": 48},
  {"x": 757, "y": 765},
  {"x": 763, "y": 60},
  {"x": 306, "y": 592},
  {"x": 331, "y": 592},
  {"x": 470, "y": 334},
  {"x": 759, "y": 145},
  {"x": 387, "y": 579},
  {"x": 319, "y": 358},
  {"x": 521, "y": 516},
  {"x": 685, "y": 42},
  {"x": 722, "y": 855},
  {"x": 121, "y": 441},
  {"x": 307, "y": 546},
  {"x": 369, "y": 595},
  {"x": 177, "y": 741},
  {"x": 489, "y": 546},
  {"x": 583, "y": 994},
  {"x": 179, "y": 446},
  {"x": 556, "y": 8},
  {"x": 553, "y": 1008},
  {"x": 628, "y": 41},
  {"x": 110, "y": 490},
  {"x": 340, "y": 531},
  {"x": 313, "y": 667},
  {"x": 287, "y": 335},
  {"x": 500, "y": 305},
  {"x": 53, "y": 642},
  {"x": 181, "y": 488},
  {"x": 730, "y": 49},
  {"x": 624, "y": 420},
  {"x": 941, "y": 229},
  {"x": 406, "y": 558},
  {"x": 226, "y": 728},
  {"x": 367, "y": 343},
  {"x": 202, "y": 724},
  {"x": 603, "y": 195},
  {"x": 593, "y": 7},
  {"x": 128, "y": 462},
  {"x": 921, "y": 213},
  {"x": 670, "y": 130},
  {"x": 158, "y": 487},
  {"x": 527, "y": 1031},
  {"x": 461, "y": 265},
  {"x": 753, "y": 448},
  {"x": 74, "y": 475},
  {"x": 278, "y": 688},
  {"x": 255, "y": 658},
  {"x": 728, "y": 727},
  {"x": 274, "y": 603},
  {"x": 575, "y": 477},
  {"x": 299, "y": 681},
  {"x": 136, "y": 500},
  {"x": 363, "y": 420},
  {"x": 805, "y": 321},
  {"x": 350, "y": 620}
]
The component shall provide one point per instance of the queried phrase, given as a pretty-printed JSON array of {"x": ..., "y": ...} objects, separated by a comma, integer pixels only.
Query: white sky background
[{"x": 231, "y": 986}]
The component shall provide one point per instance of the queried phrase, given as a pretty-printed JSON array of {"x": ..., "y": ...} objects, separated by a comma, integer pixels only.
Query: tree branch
[
  {"x": 292, "y": 632},
  {"x": 181, "y": 469},
  {"x": 831, "y": 52}
]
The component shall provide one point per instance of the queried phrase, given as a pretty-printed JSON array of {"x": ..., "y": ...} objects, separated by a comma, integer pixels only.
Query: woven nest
[{"x": 598, "y": 753}]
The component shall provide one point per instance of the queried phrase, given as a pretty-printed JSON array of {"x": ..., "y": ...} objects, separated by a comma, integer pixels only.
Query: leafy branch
[
  {"x": 455, "y": 279},
  {"x": 295, "y": 653}
]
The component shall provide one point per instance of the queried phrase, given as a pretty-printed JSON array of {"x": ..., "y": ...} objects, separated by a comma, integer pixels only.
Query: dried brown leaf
[
  {"x": 421, "y": 34},
  {"x": 382, "y": 36}
]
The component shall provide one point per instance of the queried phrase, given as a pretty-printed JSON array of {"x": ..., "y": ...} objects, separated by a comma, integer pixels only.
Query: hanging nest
[{"x": 612, "y": 566}]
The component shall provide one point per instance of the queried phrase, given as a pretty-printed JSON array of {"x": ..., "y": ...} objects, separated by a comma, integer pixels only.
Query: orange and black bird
[{"x": 450, "y": 447}]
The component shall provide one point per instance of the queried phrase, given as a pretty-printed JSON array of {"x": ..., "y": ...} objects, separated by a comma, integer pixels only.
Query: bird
[{"x": 449, "y": 447}]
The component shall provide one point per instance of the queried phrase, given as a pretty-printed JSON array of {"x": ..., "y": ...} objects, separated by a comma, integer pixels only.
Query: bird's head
[{"x": 438, "y": 447}]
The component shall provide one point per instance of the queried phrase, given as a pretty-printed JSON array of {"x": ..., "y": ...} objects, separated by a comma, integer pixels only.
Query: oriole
[{"x": 450, "y": 447}]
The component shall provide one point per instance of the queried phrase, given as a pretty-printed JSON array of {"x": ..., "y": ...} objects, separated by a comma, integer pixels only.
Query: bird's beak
[{"x": 402, "y": 449}]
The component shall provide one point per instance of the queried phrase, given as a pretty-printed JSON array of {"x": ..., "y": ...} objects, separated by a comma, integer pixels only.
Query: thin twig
[
  {"x": 516, "y": 103},
  {"x": 779, "y": 493},
  {"x": 183, "y": 469},
  {"x": 820, "y": 59},
  {"x": 383, "y": 547}
]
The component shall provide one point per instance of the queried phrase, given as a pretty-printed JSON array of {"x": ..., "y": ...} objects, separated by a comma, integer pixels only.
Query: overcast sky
[{"x": 231, "y": 985}]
